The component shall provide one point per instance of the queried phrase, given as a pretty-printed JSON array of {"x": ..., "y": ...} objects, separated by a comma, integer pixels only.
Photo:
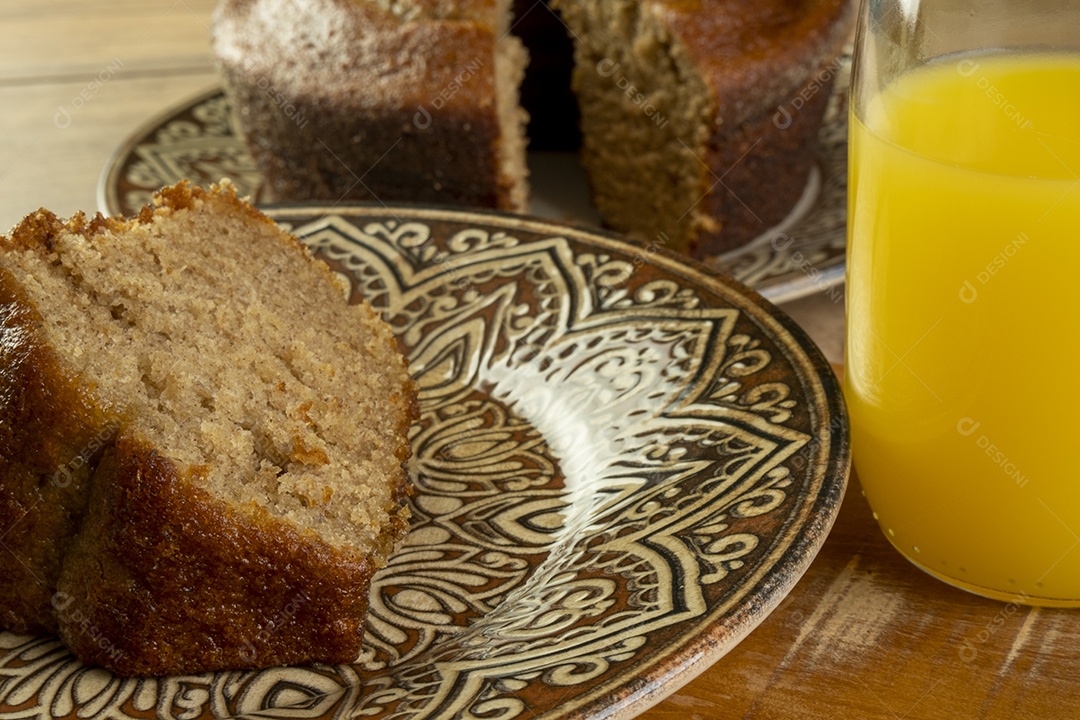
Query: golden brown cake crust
[
  {"x": 50, "y": 435},
  {"x": 164, "y": 580},
  {"x": 118, "y": 549},
  {"x": 754, "y": 55},
  {"x": 764, "y": 169}
]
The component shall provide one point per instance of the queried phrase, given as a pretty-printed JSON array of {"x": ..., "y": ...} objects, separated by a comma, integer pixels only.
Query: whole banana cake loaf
[{"x": 699, "y": 119}]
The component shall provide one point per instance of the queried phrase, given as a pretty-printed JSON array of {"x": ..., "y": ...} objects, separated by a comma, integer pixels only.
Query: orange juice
[{"x": 963, "y": 350}]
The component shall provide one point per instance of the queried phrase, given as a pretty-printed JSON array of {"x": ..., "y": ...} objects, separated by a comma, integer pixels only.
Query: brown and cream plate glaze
[
  {"x": 200, "y": 141},
  {"x": 623, "y": 464}
]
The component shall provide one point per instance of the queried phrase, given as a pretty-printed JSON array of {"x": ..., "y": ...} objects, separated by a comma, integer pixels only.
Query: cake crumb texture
[
  {"x": 202, "y": 445},
  {"x": 679, "y": 100}
]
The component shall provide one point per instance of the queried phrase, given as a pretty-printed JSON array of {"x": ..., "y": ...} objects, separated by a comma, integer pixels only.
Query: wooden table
[{"x": 863, "y": 635}]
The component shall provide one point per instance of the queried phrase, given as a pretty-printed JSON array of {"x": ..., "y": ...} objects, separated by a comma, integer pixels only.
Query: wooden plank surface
[
  {"x": 52, "y": 159},
  {"x": 863, "y": 635},
  {"x": 867, "y": 635},
  {"x": 76, "y": 78},
  {"x": 61, "y": 40}
]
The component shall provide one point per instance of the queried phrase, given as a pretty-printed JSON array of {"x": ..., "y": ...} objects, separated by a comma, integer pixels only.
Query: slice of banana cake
[{"x": 202, "y": 444}]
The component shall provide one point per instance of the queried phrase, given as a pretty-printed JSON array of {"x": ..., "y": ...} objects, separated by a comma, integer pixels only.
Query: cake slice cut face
[
  {"x": 202, "y": 444},
  {"x": 691, "y": 137}
]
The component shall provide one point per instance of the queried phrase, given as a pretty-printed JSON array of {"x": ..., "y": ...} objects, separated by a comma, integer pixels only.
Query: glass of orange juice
[{"x": 962, "y": 368}]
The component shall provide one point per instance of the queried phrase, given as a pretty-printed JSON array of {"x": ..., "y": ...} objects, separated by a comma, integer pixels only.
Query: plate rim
[{"x": 105, "y": 193}]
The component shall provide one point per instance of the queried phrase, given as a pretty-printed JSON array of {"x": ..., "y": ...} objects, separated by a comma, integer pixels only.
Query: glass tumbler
[{"x": 963, "y": 289}]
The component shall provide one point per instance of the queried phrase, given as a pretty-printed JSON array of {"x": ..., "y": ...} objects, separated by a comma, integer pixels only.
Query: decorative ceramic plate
[
  {"x": 199, "y": 141},
  {"x": 623, "y": 464}
]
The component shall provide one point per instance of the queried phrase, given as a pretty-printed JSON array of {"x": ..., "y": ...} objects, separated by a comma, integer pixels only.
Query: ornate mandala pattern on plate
[{"x": 620, "y": 468}]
